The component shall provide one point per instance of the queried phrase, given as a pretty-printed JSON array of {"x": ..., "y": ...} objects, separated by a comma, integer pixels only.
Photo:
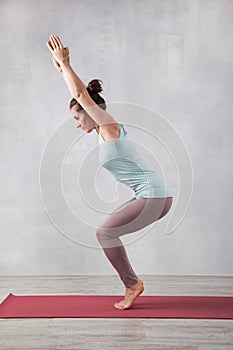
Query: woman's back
[{"x": 122, "y": 160}]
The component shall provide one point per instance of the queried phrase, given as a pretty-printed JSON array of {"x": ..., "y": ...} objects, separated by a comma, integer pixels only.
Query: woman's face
[{"x": 84, "y": 121}]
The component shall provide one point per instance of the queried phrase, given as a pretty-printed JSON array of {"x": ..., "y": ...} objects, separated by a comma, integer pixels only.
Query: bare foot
[{"x": 130, "y": 295}]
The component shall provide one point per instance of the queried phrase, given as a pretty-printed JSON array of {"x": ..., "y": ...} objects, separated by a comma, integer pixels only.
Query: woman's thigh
[{"x": 135, "y": 214}]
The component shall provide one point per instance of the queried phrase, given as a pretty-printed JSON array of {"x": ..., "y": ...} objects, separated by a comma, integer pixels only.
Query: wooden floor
[{"x": 110, "y": 333}]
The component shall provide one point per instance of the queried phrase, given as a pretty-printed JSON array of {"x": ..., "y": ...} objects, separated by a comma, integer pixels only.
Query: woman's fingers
[
  {"x": 49, "y": 46},
  {"x": 53, "y": 41},
  {"x": 56, "y": 41}
]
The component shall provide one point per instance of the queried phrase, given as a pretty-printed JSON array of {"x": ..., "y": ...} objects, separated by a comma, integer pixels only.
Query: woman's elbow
[
  {"x": 80, "y": 94},
  {"x": 84, "y": 99}
]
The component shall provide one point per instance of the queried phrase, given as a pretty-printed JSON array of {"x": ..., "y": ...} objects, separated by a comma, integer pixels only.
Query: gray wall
[{"x": 171, "y": 56}]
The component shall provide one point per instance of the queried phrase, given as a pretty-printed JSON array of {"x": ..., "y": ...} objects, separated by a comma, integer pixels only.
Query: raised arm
[{"x": 75, "y": 84}]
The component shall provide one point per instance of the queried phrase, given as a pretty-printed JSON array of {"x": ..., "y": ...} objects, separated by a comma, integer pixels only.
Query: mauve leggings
[{"x": 131, "y": 216}]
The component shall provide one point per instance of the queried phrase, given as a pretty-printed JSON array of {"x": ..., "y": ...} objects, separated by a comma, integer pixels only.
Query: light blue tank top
[{"x": 121, "y": 159}]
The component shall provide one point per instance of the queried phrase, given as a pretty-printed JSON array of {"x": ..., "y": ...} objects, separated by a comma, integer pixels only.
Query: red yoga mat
[{"x": 101, "y": 306}]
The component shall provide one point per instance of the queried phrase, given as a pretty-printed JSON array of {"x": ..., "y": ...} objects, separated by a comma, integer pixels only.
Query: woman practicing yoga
[{"x": 117, "y": 154}]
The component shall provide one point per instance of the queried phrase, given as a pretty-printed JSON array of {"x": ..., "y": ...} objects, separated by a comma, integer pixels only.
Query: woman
[{"x": 152, "y": 199}]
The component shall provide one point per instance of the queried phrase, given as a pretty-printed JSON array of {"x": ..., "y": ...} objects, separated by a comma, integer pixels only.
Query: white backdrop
[{"x": 171, "y": 56}]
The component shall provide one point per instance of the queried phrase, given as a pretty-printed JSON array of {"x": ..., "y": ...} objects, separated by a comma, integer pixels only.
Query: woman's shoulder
[{"x": 110, "y": 132}]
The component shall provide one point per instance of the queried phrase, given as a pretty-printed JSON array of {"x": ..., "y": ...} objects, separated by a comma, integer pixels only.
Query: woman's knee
[
  {"x": 102, "y": 234},
  {"x": 106, "y": 239}
]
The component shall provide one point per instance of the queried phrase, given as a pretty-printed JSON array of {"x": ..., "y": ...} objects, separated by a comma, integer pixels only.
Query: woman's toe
[{"x": 117, "y": 305}]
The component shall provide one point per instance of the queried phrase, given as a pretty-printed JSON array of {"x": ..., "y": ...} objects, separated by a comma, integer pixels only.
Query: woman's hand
[
  {"x": 58, "y": 51},
  {"x": 57, "y": 65}
]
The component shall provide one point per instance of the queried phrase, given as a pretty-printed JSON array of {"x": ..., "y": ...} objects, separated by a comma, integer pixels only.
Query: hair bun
[{"x": 95, "y": 86}]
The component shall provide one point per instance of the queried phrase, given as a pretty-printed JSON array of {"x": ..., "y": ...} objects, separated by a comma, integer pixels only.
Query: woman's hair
[{"x": 93, "y": 88}]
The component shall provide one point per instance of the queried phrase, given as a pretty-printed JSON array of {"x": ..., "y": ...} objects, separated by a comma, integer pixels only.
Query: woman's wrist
[{"x": 65, "y": 63}]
